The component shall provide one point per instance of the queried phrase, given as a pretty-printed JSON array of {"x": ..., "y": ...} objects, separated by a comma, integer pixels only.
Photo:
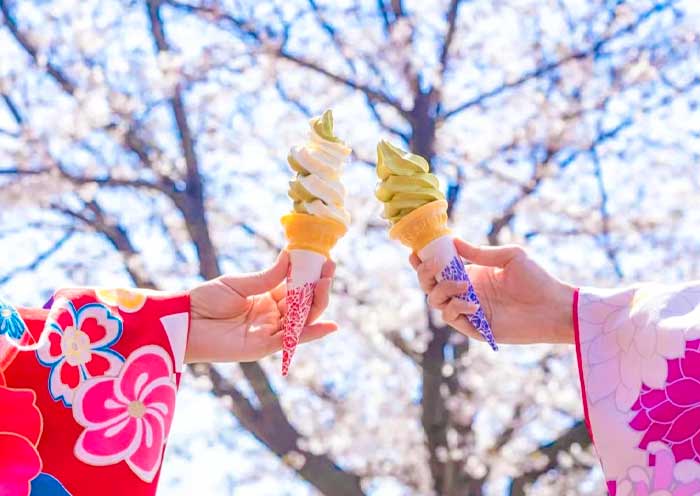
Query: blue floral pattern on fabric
[
  {"x": 47, "y": 485},
  {"x": 455, "y": 271},
  {"x": 11, "y": 324}
]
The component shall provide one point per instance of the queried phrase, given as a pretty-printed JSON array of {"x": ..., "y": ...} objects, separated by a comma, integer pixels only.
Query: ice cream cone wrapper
[
  {"x": 443, "y": 249},
  {"x": 305, "y": 271},
  {"x": 425, "y": 231}
]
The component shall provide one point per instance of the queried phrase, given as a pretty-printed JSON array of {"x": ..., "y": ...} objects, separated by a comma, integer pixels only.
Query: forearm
[{"x": 561, "y": 314}]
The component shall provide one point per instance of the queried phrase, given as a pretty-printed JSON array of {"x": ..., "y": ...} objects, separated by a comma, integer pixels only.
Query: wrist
[{"x": 562, "y": 313}]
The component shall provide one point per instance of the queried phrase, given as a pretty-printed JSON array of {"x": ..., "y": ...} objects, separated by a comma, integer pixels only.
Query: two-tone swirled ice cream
[
  {"x": 316, "y": 223},
  {"x": 319, "y": 162}
]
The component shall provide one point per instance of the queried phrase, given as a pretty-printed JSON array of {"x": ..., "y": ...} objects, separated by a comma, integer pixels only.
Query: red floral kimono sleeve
[
  {"x": 87, "y": 390},
  {"x": 639, "y": 359}
]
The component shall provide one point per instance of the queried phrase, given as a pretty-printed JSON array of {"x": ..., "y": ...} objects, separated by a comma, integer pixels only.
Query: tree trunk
[{"x": 448, "y": 476}]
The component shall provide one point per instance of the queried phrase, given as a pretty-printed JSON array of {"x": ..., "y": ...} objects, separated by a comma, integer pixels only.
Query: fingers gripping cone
[
  {"x": 425, "y": 231},
  {"x": 310, "y": 239}
]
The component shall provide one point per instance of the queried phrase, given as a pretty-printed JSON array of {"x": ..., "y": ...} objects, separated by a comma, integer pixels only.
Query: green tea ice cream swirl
[
  {"x": 317, "y": 189},
  {"x": 406, "y": 182}
]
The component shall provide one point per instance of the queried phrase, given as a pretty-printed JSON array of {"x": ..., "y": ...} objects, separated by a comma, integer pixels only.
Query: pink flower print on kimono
[
  {"x": 616, "y": 337},
  {"x": 671, "y": 414},
  {"x": 127, "y": 418},
  {"x": 77, "y": 346},
  {"x": 664, "y": 476},
  {"x": 21, "y": 425}
]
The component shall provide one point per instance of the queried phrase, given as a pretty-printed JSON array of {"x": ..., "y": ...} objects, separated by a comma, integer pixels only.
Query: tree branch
[
  {"x": 526, "y": 190},
  {"x": 192, "y": 204},
  {"x": 332, "y": 32},
  {"x": 267, "y": 241},
  {"x": 165, "y": 185},
  {"x": 610, "y": 251},
  {"x": 403, "y": 347},
  {"x": 269, "y": 425},
  {"x": 575, "y": 435},
  {"x": 93, "y": 217},
  {"x": 247, "y": 29},
  {"x": 546, "y": 68},
  {"x": 40, "y": 258},
  {"x": 14, "y": 110},
  {"x": 371, "y": 93},
  {"x": 66, "y": 84},
  {"x": 446, "y": 44},
  {"x": 384, "y": 13},
  {"x": 382, "y": 123},
  {"x": 107, "y": 181},
  {"x": 296, "y": 103},
  {"x": 449, "y": 35},
  {"x": 132, "y": 141}
]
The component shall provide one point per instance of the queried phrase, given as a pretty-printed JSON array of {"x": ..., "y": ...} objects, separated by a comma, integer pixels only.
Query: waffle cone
[
  {"x": 422, "y": 226},
  {"x": 311, "y": 232}
]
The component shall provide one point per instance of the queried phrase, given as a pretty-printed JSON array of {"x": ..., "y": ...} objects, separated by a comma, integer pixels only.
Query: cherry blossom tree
[{"x": 143, "y": 142}]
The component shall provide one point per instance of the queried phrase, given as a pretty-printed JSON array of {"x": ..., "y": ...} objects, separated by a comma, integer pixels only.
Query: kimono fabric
[
  {"x": 639, "y": 360},
  {"x": 90, "y": 409},
  {"x": 87, "y": 390}
]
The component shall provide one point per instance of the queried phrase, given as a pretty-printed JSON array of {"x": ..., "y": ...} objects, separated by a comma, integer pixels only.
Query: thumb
[
  {"x": 260, "y": 282},
  {"x": 491, "y": 256}
]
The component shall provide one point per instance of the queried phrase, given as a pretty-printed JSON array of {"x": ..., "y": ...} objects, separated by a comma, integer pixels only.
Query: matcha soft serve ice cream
[{"x": 406, "y": 182}]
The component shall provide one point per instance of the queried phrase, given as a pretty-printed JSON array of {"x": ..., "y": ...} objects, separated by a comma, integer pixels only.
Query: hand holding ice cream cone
[
  {"x": 417, "y": 210},
  {"x": 315, "y": 225}
]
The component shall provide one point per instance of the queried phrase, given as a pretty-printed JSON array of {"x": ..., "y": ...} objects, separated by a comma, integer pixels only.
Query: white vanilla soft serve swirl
[{"x": 317, "y": 189}]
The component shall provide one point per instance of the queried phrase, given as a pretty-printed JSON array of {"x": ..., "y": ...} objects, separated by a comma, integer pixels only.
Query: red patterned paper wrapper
[
  {"x": 304, "y": 273},
  {"x": 444, "y": 250}
]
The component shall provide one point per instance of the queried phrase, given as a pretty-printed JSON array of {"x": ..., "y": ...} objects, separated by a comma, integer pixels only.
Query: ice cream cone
[
  {"x": 312, "y": 233},
  {"x": 310, "y": 239},
  {"x": 425, "y": 231},
  {"x": 422, "y": 226}
]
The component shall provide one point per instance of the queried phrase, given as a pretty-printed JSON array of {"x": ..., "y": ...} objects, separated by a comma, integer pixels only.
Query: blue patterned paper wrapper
[{"x": 453, "y": 269}]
